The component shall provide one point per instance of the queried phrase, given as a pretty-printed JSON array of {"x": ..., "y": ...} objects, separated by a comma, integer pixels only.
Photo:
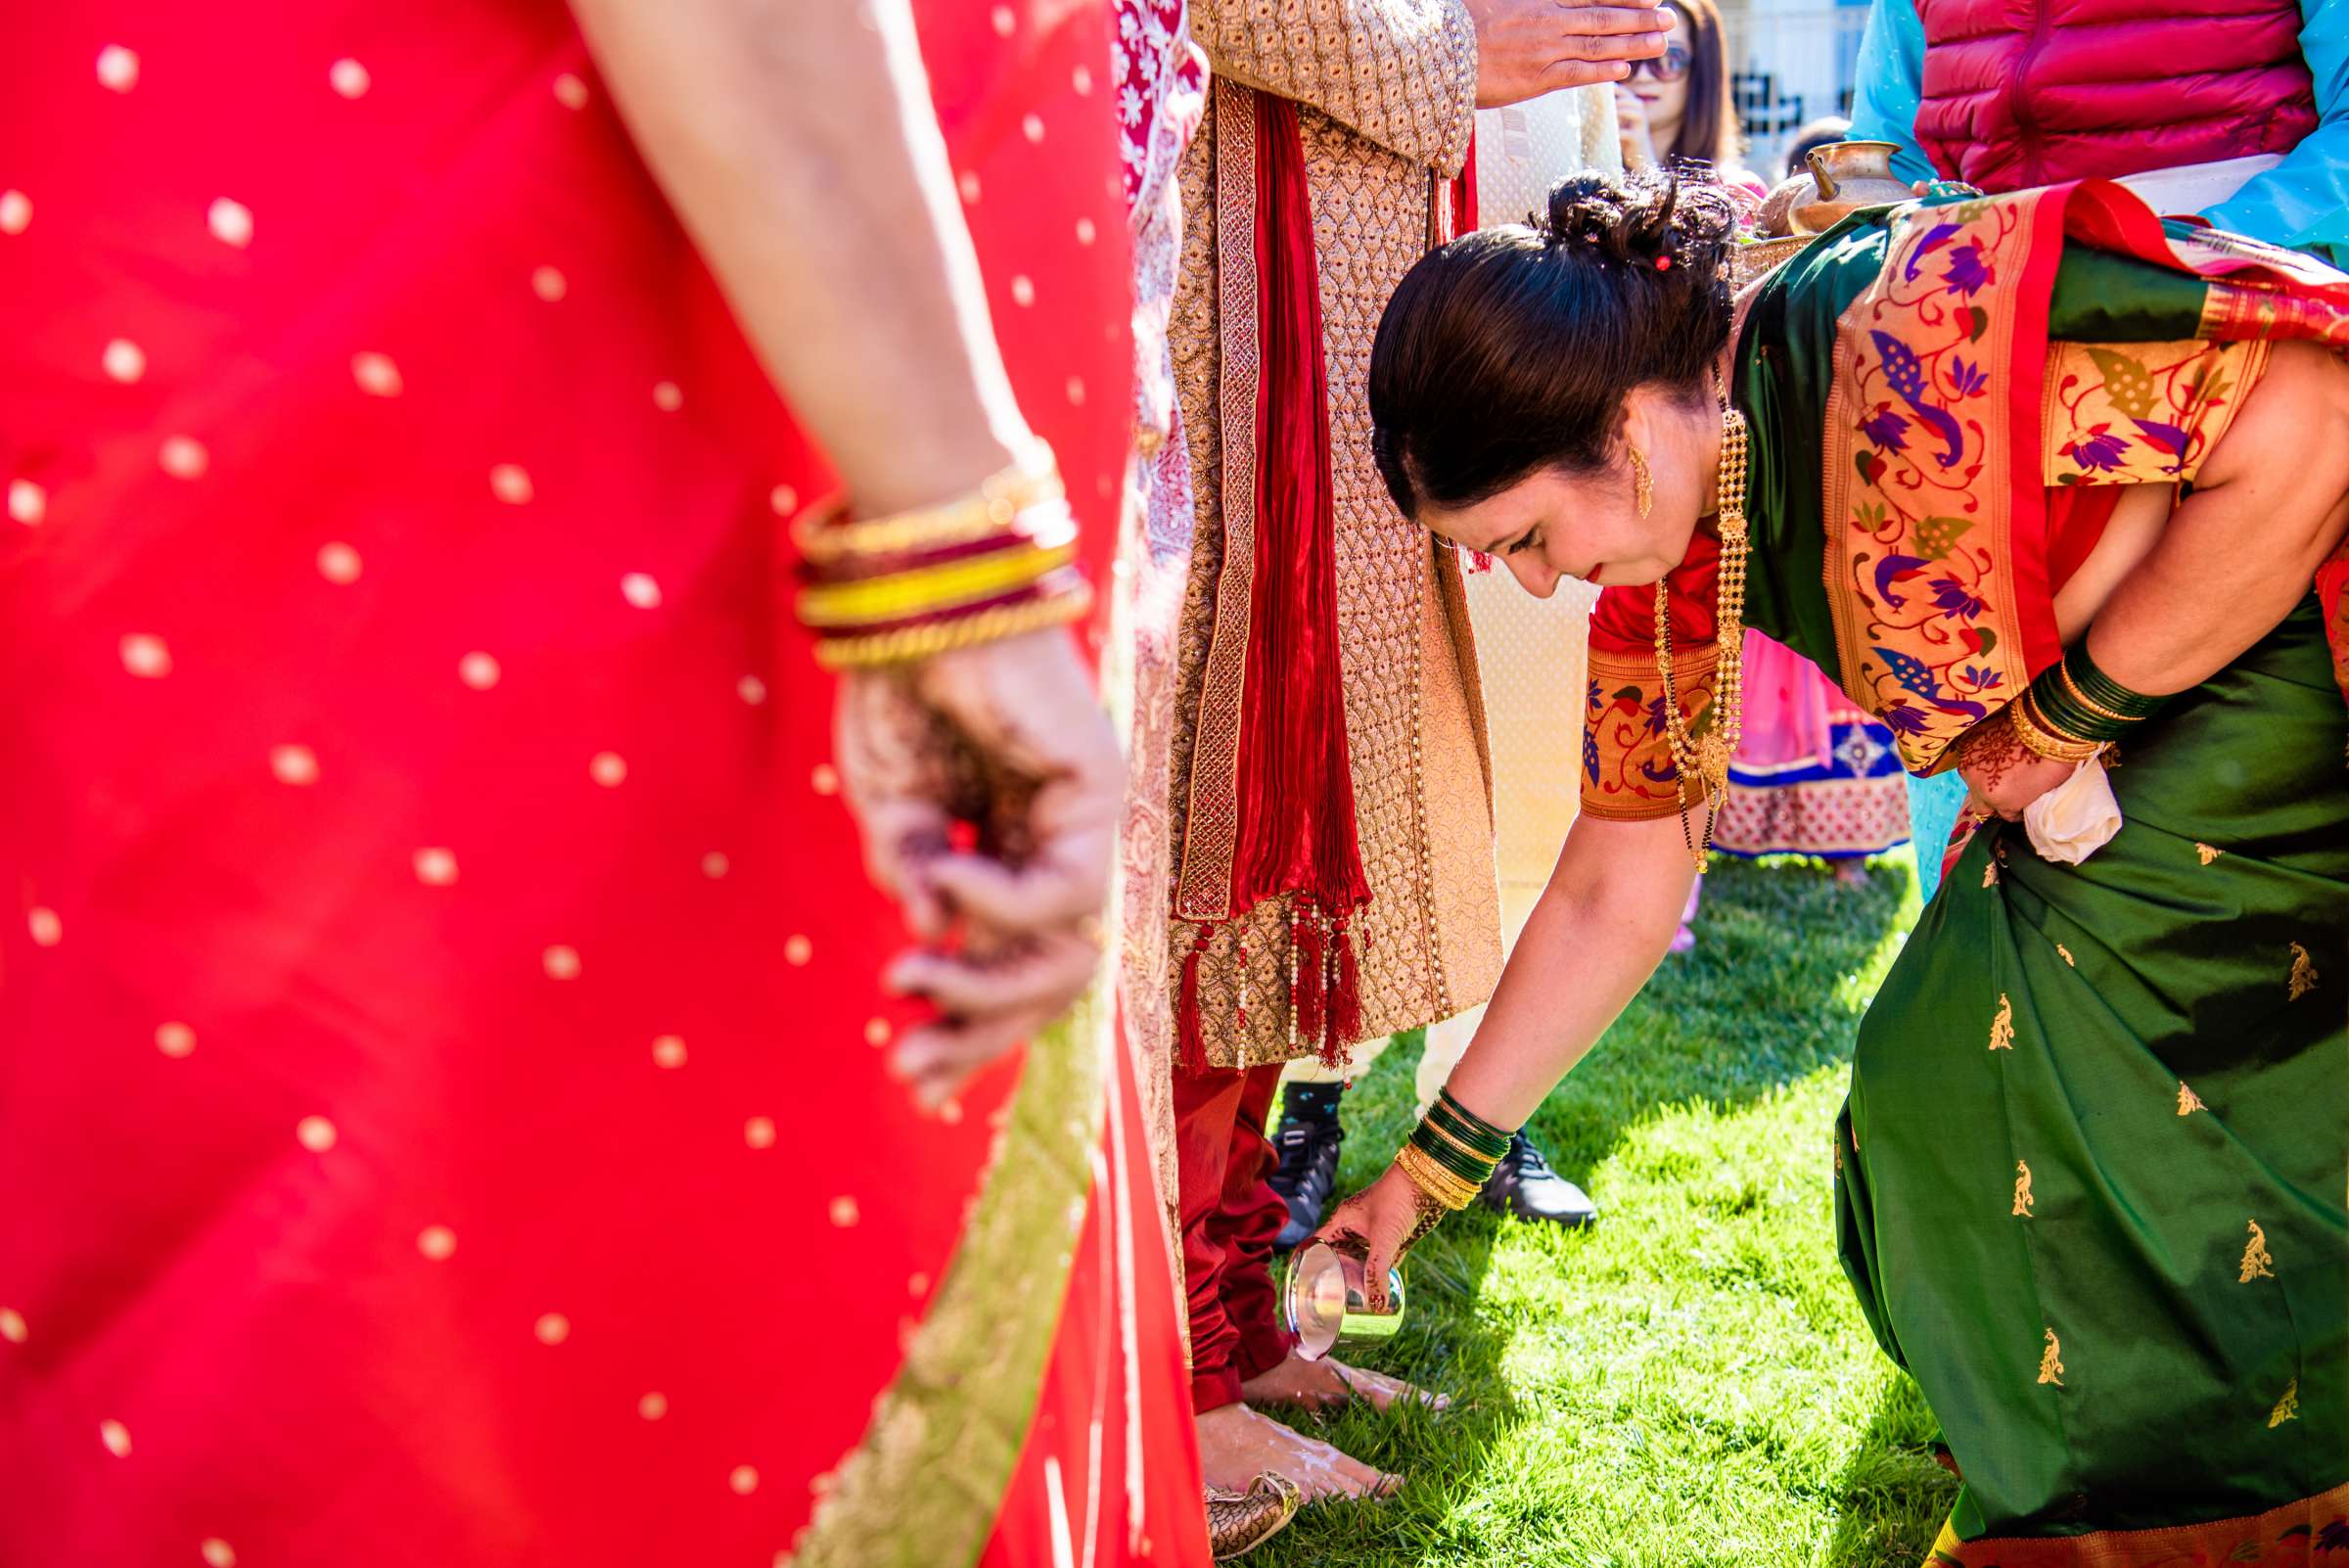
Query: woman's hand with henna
[
  {"x": 1379, "y": 1224},
  {"x": 2003, "y": 775},
  {"x": 1008, "y": 736}
]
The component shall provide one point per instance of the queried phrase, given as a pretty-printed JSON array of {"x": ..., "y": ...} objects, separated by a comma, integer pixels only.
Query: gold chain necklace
[{"x": 1708, "y": 759}]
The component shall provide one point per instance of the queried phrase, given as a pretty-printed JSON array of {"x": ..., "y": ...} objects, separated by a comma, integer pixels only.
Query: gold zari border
[{"x": 1210, "y": 826}]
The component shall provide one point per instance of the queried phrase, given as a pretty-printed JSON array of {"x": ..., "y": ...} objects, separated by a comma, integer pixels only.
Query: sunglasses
[{"x": 1671, "y": 66}]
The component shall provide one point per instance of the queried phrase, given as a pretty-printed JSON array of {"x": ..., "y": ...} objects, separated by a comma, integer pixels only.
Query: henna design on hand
[{"x": 1990, "y": 752}]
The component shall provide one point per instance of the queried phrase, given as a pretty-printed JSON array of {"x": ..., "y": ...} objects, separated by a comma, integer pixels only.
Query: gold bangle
[
  {"x": 2043, "y": 739},
  {"x": 930, "y": 589},
  {"x": 1433, "y": 1179},
  {"x": 935, "y": 638},
  {"x": 992, "y": 508}
]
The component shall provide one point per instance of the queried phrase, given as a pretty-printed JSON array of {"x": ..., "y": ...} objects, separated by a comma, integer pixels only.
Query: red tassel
[
  {"x": 1191, "y": 1040},
  {"x": 1313, "y": 992},
  {"x": 1345, "y": 1001}
]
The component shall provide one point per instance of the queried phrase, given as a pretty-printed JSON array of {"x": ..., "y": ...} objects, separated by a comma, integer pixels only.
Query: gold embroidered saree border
[
  {"x": 1622, "y": 749},
  {"x": 2097, "y": 395},
  {"x": 1925, "y": 356},
  {"x": 923, "y": 1486},
  {"x": 2281, "y": 1538},
  {"x": 1210, "y": 826}
]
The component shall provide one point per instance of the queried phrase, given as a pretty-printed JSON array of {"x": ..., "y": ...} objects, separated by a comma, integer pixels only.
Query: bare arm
[
  {"x": 1599, "y": 929},
  {"x": 797, "y": 142},
  {"x": 796, "y": 139},
  {"x": 1602, "y": 926},
  {"x": 2271, "y": 504}
]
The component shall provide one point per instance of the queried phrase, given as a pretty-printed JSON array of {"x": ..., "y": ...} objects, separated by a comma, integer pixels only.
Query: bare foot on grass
[
  {"x": 1327, "y": 1385},
  {"x": 1237, "y": 1446}
]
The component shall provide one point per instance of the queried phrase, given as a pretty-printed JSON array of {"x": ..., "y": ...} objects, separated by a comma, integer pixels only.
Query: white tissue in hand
[{"x": 2076, "y": 818}]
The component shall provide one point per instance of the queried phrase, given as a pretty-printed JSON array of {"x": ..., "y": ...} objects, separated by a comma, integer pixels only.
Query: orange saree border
[
  {"x": 1933, "y": 416},
  {"x": 1627, "y": 772},
  {"x": 2286, "y": 1537}
]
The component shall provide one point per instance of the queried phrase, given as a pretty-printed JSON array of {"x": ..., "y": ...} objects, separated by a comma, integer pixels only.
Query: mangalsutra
[{"x": 1708, "y": 759}]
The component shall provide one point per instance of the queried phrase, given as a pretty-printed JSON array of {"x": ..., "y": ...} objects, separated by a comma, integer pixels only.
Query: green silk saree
[{"x": 2090, "y": 1177}]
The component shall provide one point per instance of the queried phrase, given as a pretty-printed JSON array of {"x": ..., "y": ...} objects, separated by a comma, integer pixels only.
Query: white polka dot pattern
[
  {"x": 124, "y": 360},
  {"x": 230, "y": 222},
  {"x": 117, "y": 68}
]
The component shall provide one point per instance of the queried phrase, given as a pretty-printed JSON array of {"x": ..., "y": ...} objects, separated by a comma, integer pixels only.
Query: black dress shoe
[
  {"x": 1308, "y": 1144},
  {"x": 1524, "y": 1184}
]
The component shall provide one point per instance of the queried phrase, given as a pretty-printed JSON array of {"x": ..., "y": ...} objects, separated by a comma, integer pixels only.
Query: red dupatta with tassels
[{"x": 1272, "y": 798}]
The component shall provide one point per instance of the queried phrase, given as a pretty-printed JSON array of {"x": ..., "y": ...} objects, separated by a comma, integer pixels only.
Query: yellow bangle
[
  {"x": 2043, "y": 739},
  {"x": 927, "y": 591},
  {"x": 992, "y": 509},
  {"x": 1433, "y": 1179},
  {"x": 933, "y": 637}
]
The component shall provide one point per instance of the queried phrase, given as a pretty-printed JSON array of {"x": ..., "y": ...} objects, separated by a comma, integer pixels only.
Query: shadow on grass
[
  {"x": 1893, "y": 1494},
  {"x": 1787, "y": 960}
]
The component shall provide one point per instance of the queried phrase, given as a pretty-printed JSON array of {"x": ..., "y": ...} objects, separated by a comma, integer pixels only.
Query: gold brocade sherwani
[{"x": 1385, "y": 92}]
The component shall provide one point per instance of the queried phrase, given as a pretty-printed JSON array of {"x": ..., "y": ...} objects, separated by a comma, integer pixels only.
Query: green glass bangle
[
  {"x": 1444, "y": 1142},
  {"x": 1483, "y": 1131},
  {"x": 2065, "y": 713},
  {"x": 1451, "y": 1156},
  {"x": 2101, "y": 690},
  {"x": 1481, "y": 1147}
]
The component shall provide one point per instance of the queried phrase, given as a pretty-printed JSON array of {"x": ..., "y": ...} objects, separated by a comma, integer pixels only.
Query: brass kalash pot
[{"x": 1844, "y": 178}]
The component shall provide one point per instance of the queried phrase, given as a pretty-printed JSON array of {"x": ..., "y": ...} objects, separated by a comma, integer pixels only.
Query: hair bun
[{"x": 1655, "y": 220}]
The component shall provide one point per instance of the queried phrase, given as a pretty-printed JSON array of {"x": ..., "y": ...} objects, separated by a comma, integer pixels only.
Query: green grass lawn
[{"x": 1689, "y": 1382}]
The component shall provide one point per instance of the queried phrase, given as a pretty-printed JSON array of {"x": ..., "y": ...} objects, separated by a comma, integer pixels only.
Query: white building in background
[{"x": 1790, "y": 61}]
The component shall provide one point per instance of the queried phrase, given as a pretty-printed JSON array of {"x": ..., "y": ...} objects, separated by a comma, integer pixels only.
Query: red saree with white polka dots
[{"x": 439, "y": 1112}]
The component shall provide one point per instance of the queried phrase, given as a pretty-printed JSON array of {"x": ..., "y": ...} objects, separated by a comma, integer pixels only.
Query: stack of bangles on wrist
[
  {"x": 2074, "y": 711},
  {"x": 1451, "y": 1152},
  {"x": 992, "y": 564}
]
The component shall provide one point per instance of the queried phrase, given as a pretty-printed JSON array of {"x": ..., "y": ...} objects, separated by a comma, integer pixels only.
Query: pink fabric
[
  {"x": 2018, "y": 93},
  {"x": 1787, "y": 706}
]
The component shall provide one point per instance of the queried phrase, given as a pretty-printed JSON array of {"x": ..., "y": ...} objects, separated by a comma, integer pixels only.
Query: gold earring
[{"x": 1644, "y": 483}]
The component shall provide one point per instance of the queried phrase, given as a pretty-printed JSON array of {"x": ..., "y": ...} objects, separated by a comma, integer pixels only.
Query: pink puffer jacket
[{"x": 2019, "y": 93}]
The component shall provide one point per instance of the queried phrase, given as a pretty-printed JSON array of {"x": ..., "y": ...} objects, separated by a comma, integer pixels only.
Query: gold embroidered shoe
[{"x": 1239, "y": 1522}]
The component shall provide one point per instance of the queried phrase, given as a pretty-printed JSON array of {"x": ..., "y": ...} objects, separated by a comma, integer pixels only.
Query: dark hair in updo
[{"x": 1510, "y": 349}]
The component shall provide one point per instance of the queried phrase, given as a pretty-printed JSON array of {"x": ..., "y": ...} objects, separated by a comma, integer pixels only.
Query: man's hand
[{"x": 1524, "y": 48}]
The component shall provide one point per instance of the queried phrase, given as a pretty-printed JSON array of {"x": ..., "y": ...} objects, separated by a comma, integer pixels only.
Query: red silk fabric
[
  {"x": 1296, "y": 830},
  {"x": 437, "y": 980}
]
